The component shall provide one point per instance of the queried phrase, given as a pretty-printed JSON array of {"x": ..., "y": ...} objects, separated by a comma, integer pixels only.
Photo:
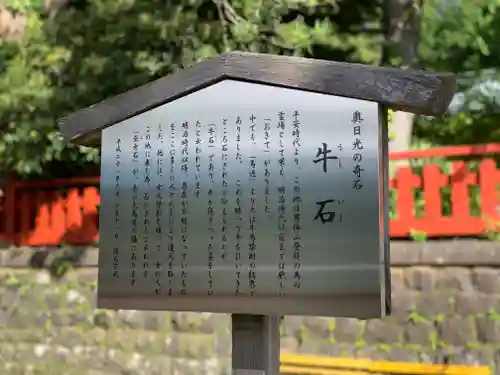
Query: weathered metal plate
[{"x": 245, "y": 198}]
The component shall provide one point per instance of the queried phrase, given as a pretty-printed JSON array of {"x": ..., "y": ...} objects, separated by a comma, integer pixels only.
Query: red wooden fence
[
  {"x": 460, "y": 180},
  {"x": 65, "y": 211}
]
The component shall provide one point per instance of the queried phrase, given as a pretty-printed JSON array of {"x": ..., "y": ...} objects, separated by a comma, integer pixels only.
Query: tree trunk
[
  {"x": 401, "y": 23},
  {"x": 11, "y": 24}
]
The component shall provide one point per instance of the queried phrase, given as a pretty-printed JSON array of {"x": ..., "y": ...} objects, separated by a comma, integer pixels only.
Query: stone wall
[{"x": 446, "y": 299}]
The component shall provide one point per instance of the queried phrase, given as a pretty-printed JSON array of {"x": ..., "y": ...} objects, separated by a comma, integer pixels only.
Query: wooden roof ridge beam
[{"x": 416, "y": 91}]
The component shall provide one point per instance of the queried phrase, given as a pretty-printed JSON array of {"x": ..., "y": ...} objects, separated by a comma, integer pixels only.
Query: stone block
[
  {"x": 72, "y": 336},
  {"x": 397, "y": 280},
  {"x": 183, "y": 366},
  {"x": 23, "y": 353},
  {"x": 199, "y": 322},
  {"x": 374, "y": 352},
  {"x": 488, "y": 329},
  {"x": 148, "y": 342},
  {"x": 347, "y": 330},
  {"x": 292, "y": 325},
  {"x": 418, "y": 332},
  {"x": 26, "y": 336},
  {"x": 118, "y": 339},
  {"x": 134, "y": 363},
  {"x": 496, "y": 362},
  {"x": 483, "y": 356},
  {"x": 224, "y": 366},
  {"x": 433, "y": 303},
  {"x": 50, "y": 298},
  {"x": 428, "y": 355},
  {"x": 76, "y": 297},
  {"x": 400, "y": 354},
  {"x": 311, "y": 344},
  {"x": 319, "y": 328},
  {"x": 382, "y": 331},
  {"x": 327, "y": 349},
  {"x": 404, "y": 253},
  {"x": 460, "y": 252},
  {"x": 130, "y": 319},
  {"x": 480, "y": 356},
  {"x": 475, "y": 303},
  {"x": 86, "y": 276},
  {"x": 457, "y": 331},
  {"x": 16, "y": 257},
  {"x": 420, "y": 278},
  {"x": 25, "y": 318},
  {"x": 15, "y": 368},
  {"x": 8, "y": 352},
  {"x": 102, "y": 319},
  {"x": 158, "y": 321},
  {"x": 345, "y": 351},
  {"x": 403, "y": 303},
  {"x": 9, "y": 276},
  {"x": 453, "y": 279},
  {"x": 48, "y": 366},
  {"x": 191, "y": 345},
  {"x": 486, "y": 280},
  {"x": 70, "y": 317},
  {"x": 222, "y": 343},
  {"x": 289, "y": 344}
]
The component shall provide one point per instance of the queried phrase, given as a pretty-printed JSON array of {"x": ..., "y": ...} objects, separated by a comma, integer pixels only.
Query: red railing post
[
  {"x": 73, "y": 228},
  {"x": 405, "y": 182},
  {"x": 10, "y": 211},
  {"x": 460, "y": 180},
  {"x": 90, "y": 202},
  {"x": 26, "y": 206},
  {"x": 433, "y": 181},
  {"x": 488, "y": 180},
  {"x": 58, "y": 217},
  {"x": 40, "y": 235}
]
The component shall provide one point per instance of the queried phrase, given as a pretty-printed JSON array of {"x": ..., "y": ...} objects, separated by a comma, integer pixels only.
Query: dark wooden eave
[{"x": 414, "y": 91}]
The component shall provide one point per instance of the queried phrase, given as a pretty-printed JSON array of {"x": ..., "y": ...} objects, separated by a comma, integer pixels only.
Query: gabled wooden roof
[{"x": 409, "y": 90}]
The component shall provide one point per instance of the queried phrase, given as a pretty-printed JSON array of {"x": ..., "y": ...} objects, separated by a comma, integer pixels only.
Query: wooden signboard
[
  {"x": 251, "y": 184},
  {"x": 245, "y": 198}
]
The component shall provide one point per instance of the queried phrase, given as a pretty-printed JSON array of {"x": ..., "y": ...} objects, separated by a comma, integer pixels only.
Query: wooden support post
[{"x": 256, "y": 344}]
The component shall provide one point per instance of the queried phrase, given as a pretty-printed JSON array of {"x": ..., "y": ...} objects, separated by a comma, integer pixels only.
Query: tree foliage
[
  {"x": 463, "y": 38},
  {"x": 87, "y": 51},
  {"x": 73, "y": 53}
]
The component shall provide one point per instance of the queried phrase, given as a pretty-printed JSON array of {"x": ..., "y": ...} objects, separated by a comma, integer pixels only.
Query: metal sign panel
[{"x": 246, "y": 198}]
